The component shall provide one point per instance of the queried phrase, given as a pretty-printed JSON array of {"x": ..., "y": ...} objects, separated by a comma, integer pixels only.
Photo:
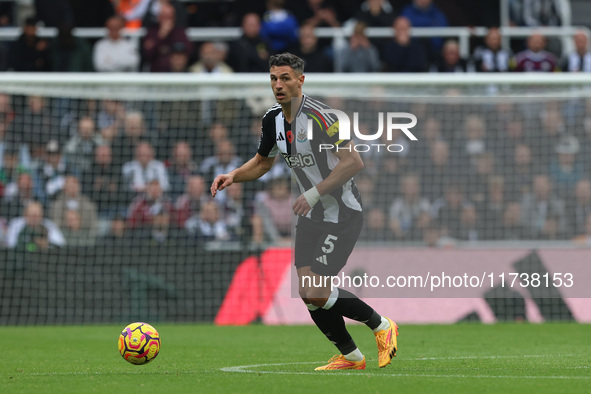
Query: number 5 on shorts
[{"x": 329, "y": 244}]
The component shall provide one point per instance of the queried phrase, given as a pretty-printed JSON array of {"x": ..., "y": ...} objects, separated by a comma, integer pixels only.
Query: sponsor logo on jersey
[
  {"x": 332, "y": 130},
  {"x": 299, "y": 160},
  {"x": 280, "y": 137}
]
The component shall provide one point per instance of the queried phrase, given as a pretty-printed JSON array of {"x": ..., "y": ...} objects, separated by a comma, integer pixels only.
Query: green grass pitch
[{"x": 462, "y": 358}]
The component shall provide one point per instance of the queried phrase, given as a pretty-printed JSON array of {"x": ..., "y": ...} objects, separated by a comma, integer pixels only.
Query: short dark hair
[{"x": 287, "y": 59}]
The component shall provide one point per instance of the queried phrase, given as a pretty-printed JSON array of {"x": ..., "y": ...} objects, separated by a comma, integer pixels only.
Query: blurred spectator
[
  {"x": 315, "y": 59},
  {"x": 7, "y": 14},
  {"x": 146, "y": 12},
  {"x": 250, "y": 53},
  {"x": 478, "y": 175},
  {"x": 578, "y": 208},
  {"x": 547, "y": 136},
  {"x": 376, "y": 13},
  {"x": 512, "y": 228},
  {"x": 10, "y": 170},
  {"x": 115, "y": 53},
  {"x": 491, "y": 57},
  {"x": 110, "y": 119},
  {"x": 117, "y": 236},
  {"x": 102, "y": 182},
  {"x": 223, "y": 161},
  {"x": 542, "y": 13},
  {"x": 69, "y": 112},
  {"x": 451, "y": 61},
  {"x": 54, "y": 13},
  {"x": 474, "y": 138},
  {"x": 91, "y": 13},
  {"x": 147, "y": 205},
  {"x": 584, "y": 238},
  {"x": 580, "y": 59},
  {"x": 189, "y": 204},
  {"x": 492, "y": 208},
  {"x": 469, "y": 224},
  {"x": 317, "y": 13},
  {"x": 134, "y": 10},
  {"x": 447, "y": 210},
  {"x": 375, "y": 228},
  {"x": 430, "y": 132},
  {"x": 535, "y": 58},
  {"x": 236, "y": 211},
  {"x": 17, "y": 197},
  {"x": 31, "y": 232},
  {"x": 33, "y": 127},
  {"x": 179, "y": 120},
  {"x": 80, "y": 148},
  {"x": 208, "y": 226},
  {"x": 29, "y": 51},
  {"x": 181, "y": 167},
  {"x": 470, "y": 13},
  {"x": 158, "y": 233},
  {"x": 6, "y": 119},
  {"x": 520, "y": 172},
  {"x": 216, "y": 133},
  {"x": 437, "y": 171},
  {"x": 68, "y": 53},
  {"x": 51, "y": 172},
  {"x": 582, "y": 128},
  {"x": 179, "y": 58},
  {"x": 134, "y": 132},
  {"x": 138, "y": 173},
  {"x": 359, "y": 56},
  {"x": 543, "y": 213},
  {"x": 160, "y": 39},
  {"x": 273, "y": 205},
  {"x": 73, "y": 232},
  {"x": 367, "y": 187},
  {"x": 279, "y": 26},
  {"x": 423, "y": 13},
  {"x": 510, "y": 132},
  {"x": 409, "y": 213},
  {"x": 565, "y": 170},
  {"x": 211, "y": 59},
  {"x": 83, "y": 223},
  {"x": 404, "y": 53}
]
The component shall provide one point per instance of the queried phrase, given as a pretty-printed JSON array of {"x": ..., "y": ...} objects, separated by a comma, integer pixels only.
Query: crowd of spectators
[
  {"x": 82, "y": 172},
  {"x": 272, "y": 26},
  {"x": 109, "y": 172}
]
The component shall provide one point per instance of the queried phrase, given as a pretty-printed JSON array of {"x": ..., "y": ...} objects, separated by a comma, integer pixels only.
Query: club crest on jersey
[
  {"x": 302, "y": 135},
  {"x": 299, "y": 160}
]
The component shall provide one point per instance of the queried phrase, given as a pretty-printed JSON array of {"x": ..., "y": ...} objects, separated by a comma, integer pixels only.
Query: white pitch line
[{"x": 249, "y": 369}]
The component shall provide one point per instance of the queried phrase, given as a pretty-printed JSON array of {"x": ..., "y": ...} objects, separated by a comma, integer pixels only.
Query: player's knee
[
  {"x": 319, "y": 302},
  {"x": 317, "y": 295}
]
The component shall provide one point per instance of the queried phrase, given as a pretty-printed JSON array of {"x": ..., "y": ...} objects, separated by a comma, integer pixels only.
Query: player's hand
[
  {"x": 220, "y": 183},
  {"x": 301, "y": 206}
]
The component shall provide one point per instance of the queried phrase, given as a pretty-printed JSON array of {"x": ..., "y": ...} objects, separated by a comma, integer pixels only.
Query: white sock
[
  {"x": 355, "y": 355},
  {"x": 384, "y": 325}
]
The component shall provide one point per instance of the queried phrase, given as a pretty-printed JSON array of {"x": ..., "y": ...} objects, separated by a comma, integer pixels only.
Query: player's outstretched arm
[
  {"x": 350, "y": 163},
  {"x": 249, "y": 171}
]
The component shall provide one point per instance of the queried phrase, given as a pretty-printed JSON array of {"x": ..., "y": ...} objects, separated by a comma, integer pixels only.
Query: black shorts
[{"x": 325, "y": 247}]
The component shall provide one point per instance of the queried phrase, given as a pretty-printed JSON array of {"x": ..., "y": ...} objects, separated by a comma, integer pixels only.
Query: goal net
[{"x": 106, "y": 215}]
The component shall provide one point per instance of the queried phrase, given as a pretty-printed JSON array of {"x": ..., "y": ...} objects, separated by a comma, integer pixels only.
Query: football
[{"x": 139, "y": 343}]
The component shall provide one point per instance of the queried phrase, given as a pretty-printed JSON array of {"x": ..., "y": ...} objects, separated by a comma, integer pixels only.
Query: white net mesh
[{"x": 101, "y": 174}]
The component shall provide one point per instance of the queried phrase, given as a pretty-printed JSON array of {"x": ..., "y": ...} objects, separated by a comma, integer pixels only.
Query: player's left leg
[{"x": 340, "y": 242}]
